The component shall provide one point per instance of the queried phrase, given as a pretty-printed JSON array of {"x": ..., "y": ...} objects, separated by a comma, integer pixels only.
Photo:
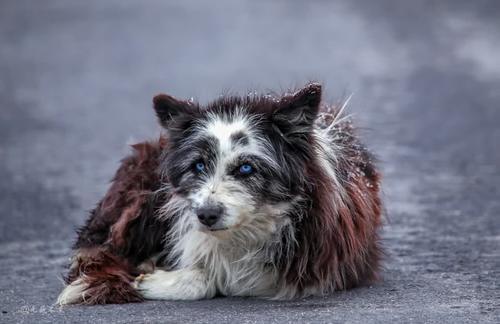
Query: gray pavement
[{"x": 76, "y": 82}]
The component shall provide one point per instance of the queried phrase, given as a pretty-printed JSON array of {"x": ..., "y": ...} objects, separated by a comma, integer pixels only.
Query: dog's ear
[
  {"x": 296, "y": 113},
  {"x": 168, "y": 108}
]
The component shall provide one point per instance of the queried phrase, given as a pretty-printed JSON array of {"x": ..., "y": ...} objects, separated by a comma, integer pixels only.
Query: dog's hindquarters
[{"x": 120, "y": 234}]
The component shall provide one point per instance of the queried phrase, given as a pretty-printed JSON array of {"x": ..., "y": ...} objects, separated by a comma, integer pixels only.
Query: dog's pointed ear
[
  {"x": 296, "y": 113},
  {"x": 168, "y": 108}
]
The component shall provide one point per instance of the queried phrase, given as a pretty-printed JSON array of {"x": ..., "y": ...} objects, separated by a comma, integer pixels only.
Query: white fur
[
  {"x": 183, "y": 284},
  {"x": 327, "y": 139},
  {"x": 223, "y": 129},
  {"x": 326, "y": 151},
  {"x": 73, "y": 293},
  {"x": 233, "y": 262}
]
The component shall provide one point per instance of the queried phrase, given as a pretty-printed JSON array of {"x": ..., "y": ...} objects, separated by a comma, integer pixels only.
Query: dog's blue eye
[
  {"x": 246, "y": 169},
  {"x": 200, "y": 167}
]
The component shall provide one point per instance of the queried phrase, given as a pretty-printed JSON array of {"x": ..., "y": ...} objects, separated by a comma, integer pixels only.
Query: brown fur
[
  {"x": 338, "y": 241},
  {"x": 107, "y": 253}
]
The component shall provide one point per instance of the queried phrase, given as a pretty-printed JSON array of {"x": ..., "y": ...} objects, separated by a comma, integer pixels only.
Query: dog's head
[{"x": 238, "y": 161}]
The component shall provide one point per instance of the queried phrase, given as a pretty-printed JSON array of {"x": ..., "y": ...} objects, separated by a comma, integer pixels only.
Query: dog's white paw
[
  {"x": 173, "y": 285},
  {"x": 72, "y": 293}
]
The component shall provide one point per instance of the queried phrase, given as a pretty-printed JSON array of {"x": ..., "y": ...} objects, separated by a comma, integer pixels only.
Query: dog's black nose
[{"x": 209, "y": 215}]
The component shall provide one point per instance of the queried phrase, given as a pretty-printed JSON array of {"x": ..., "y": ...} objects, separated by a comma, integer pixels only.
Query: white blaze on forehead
[{"x": 224, "y": 129}]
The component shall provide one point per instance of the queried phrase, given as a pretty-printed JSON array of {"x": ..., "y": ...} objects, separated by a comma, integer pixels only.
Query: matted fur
[{"x": 305, "y": 223}]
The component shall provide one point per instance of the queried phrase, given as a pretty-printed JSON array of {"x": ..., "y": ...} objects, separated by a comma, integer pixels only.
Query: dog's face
[{"x": 239, "y": 162}]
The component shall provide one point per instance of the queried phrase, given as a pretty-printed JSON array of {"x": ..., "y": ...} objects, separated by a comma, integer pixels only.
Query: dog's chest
[{"x": 235, "y": 270}]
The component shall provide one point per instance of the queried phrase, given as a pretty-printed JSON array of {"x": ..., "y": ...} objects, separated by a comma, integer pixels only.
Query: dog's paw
[
  {"x": 72, "y": 293},
  {"x": 172, "y": 285},
  {"x": 94, "y": 292},
  {"x": 154, "y": 285}
]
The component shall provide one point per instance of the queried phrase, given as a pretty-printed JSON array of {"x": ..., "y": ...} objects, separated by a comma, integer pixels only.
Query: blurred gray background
[{"x": 76, "y": 82}]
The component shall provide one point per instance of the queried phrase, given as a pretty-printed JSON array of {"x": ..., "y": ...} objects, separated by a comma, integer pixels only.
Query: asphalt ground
[{"x": 76, "y": 82}]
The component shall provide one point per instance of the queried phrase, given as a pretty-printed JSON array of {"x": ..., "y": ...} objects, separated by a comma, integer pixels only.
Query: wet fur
[{"x": 315, "y": 229}]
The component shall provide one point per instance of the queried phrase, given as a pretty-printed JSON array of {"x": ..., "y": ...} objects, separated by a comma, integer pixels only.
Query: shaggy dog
[{"x": 268, "y": 196}]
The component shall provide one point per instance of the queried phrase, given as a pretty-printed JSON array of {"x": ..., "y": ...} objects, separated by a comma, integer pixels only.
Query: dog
[{"x": 269, "y": 196}]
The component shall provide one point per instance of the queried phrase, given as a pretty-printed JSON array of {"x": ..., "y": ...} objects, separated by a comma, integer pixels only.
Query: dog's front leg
[{"x": 183, "y": 284}]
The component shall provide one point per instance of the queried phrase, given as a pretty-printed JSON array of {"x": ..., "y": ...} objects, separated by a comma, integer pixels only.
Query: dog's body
[{"x": 259, "y": 196}]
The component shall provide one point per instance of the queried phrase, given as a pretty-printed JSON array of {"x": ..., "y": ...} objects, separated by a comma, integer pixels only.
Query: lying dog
[{"x": 262, "y": 196}]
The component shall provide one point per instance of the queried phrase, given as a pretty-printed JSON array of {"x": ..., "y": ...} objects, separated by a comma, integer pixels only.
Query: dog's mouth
[
  {"x": 221, "y": 233},
  {"x": 218, "y": 229},
  {"x": 214, "y": 230},
  {"x": 223, "y": 230}
]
